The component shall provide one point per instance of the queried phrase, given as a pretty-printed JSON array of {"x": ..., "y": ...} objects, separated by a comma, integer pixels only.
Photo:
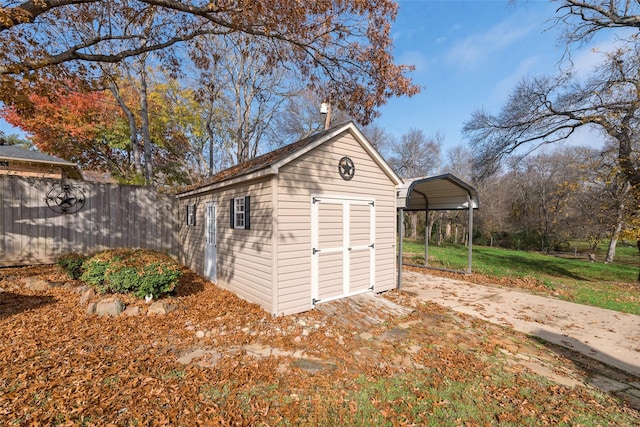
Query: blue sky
[{"x": 470, "y": 55}]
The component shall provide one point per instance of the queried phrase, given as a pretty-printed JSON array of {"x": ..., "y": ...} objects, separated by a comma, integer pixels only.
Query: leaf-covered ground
[{"x": 61, "y": 366}]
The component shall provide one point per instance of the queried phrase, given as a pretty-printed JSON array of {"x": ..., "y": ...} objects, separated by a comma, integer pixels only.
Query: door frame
[
  {"x": 346, "y": 201},
  {"x": 210, "y": 241}
]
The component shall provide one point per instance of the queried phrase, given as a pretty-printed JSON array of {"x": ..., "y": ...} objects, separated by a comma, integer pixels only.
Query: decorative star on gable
[{"x": 346, "y": 168}]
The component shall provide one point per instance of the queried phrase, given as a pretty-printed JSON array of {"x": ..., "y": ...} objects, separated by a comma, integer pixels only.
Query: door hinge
[
  {"x": 373, "y": 204},
  {"x": 314, "y": 301},
  {"x": 315, "y": 251},
  {"x": 372, "y": 246}
]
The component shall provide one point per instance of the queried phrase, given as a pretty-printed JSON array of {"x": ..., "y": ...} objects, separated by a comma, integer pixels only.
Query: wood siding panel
[{"x": 113, "y": 216}]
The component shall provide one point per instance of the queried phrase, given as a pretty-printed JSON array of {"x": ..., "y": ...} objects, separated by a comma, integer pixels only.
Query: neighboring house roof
[
  {"x": 269, "y": 163},
  {"x": 19, "y": 154}
]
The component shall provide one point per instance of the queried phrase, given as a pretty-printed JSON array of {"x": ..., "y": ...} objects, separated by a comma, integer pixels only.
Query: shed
[
  {"x": 310, "y": 222},
  {"x": 16, "y": 160},
  {"x": 441, "y": 192}
]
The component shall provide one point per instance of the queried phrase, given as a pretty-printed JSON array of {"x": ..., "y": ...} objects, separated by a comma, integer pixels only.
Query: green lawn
[{"x": 613, "y": 286}]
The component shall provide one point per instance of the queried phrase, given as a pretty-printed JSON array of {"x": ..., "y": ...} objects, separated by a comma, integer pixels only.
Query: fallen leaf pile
[{"x": 61, "y": 366}]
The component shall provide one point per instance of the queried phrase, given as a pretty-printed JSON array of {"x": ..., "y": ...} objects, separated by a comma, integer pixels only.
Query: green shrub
[
  {"x": 138, "y": 272},
  {"x": 158, "y": 279},
  {"x": 72, "y": 264},
  {"x": 94, "y": 272},
  {"x": 122, "y": 279}
]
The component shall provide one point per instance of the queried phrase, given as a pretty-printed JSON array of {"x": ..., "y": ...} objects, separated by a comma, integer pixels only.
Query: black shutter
[
  {"x": 232, "y": 213},
  {"x": 247, "y": 212}
]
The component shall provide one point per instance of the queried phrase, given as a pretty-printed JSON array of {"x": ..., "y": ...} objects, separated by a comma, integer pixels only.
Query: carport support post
[
  {"x": 426, "y": 237},
  {"x": 470, "y": 239},
  {"x": 400, "y": 237}
]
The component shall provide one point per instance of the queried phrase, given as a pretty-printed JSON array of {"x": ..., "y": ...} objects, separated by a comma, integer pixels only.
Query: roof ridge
[{"x": 263, "y": 161}]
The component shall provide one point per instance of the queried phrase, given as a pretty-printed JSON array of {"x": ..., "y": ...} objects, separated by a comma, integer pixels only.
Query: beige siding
[
  {"x": 317, "y": 172},
  {"x": 244, "y": 258}
]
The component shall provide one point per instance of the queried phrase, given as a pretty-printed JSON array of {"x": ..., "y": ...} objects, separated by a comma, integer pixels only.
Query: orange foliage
[{"x": 67, "y": 122}]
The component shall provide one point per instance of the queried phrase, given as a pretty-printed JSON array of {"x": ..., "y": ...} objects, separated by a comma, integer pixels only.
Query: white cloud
[
  {"x": 415, "y": 58},
  {"x": 505, "y": 86},
  {"x": 585, "y": 60},
  {"x": 476, "y": 48}
]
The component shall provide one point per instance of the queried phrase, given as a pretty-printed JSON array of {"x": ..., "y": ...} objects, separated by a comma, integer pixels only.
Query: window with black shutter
[
  {"x": 239, "y": 215},
  {"x": 191, "y": 214}
]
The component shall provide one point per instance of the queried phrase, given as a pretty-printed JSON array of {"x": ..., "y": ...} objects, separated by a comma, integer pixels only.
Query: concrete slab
[{"x": 604, "y": 335}]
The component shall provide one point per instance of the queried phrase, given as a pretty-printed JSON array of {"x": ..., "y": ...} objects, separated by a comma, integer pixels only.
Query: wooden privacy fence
[{"x": 41, "y": 219}]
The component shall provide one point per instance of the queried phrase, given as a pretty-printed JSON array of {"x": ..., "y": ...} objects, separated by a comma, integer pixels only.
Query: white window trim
[
  {"x": 237, "y": 203},
  {"x": 191, "y": 214}
]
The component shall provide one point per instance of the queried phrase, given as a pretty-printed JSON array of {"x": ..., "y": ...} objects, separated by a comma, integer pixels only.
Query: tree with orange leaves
[
  {"x": 80, "y": 126},
  {"x": 342, "y": 48}
]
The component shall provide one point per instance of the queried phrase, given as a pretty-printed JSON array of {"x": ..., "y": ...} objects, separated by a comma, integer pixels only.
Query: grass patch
[
  {"x": 612, "y": 286},
  {"x": 422, "y": 397}
]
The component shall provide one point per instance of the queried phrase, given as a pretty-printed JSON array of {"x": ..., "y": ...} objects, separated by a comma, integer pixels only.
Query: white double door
[{"x": 343, "y": 247}]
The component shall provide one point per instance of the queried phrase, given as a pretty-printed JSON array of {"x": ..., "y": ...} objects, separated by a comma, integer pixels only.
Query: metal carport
[{"x": 442, "y": 192}]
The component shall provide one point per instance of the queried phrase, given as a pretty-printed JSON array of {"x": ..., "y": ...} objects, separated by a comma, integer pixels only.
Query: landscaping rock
[
  {"x": 91, "y": 308},
  {"x": 607, "y": 385},
  {"x": 87, "y": 296},
  {"x": 161, "y": 308},
  {"x": 313, "y": 366},
  {"x": 366, "y": 336},
  {"x": 34, "y": 284},
  {"x": 190, "y": 357},
  {"x": 395, "y": 334},
  {"x": 110, "y": 307},
  {"x": 131, "y": 311}
]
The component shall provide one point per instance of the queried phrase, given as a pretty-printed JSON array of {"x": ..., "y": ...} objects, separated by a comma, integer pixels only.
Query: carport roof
[{"x": 442, "y": 192}]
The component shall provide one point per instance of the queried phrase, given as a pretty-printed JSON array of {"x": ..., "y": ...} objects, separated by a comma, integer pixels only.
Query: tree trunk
[
  {"x": 611, "y": 251},
  {"x": 413, "y": 217},
  {"x": 638, "y": 243},
  {"x": 432, "y": 221},
  {"x": 146, "y": 133},
  {"x": 133, "y": 129}
]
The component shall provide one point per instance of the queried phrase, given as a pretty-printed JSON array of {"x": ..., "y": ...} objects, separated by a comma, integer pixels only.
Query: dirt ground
[{"x": 218, "y": 360}]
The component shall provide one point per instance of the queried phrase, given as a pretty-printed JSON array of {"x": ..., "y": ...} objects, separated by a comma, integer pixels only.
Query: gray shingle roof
[
  {"x": 262, "y": 162},
  {"x": 12, "y": 152}
]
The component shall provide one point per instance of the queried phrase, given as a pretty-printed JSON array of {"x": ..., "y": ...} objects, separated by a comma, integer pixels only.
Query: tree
[
  {"x": 301, "y": 116},
  {"x": 72, "y": 121},
  {"x": 416, "y": 155},
  {"x": 14, "y": 139},
  {"x": 550, "y": 109},
  {"x": 342, "y": 47},
  {"x": 252, "y": 91},
  {"x": 544, "y": 189}
]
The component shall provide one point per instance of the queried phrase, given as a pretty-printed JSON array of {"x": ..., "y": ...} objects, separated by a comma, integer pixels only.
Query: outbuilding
[{"x": 310, "y": 222}]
